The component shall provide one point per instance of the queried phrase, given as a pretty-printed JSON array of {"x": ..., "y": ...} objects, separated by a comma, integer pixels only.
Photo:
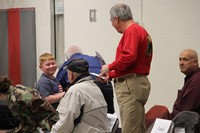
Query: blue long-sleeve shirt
[{"x": 94, "y": 66}]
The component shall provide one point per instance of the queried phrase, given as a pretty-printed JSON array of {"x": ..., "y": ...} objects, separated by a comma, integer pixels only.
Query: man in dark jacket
[{"x": 188, "y": 97}]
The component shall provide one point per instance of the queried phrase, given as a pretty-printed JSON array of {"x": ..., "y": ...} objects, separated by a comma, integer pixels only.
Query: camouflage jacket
[{"x": 30, "y": 109}]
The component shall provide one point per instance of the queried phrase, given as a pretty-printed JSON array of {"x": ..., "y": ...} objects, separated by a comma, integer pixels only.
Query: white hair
[{"x": 72, "y": 49}]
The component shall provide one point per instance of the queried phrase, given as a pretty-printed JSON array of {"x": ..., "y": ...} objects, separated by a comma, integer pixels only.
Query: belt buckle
[{"x": 119, "y": 80}]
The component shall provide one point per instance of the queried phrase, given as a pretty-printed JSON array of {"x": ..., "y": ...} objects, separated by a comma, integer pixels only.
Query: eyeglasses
[{"x": 113, "y": 18}]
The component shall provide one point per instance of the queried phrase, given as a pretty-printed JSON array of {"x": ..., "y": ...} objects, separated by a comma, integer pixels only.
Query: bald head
[
  {"x": 191, "y": 53},
  {"x": 188, "y": 61},
  {"x": 72, "y": 49}
]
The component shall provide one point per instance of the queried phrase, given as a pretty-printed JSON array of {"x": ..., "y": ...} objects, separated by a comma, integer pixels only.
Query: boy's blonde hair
[{"x": 45, "y": 57}]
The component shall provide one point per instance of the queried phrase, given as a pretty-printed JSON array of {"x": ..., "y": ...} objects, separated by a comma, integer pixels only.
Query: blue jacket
[{"x": 95, "y": 65}]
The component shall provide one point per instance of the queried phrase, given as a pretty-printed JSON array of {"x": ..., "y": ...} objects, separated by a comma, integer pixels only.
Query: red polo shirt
[{"x": 133, "y": 54}]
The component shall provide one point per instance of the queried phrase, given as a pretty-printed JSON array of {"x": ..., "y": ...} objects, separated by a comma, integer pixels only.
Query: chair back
[
  {"x": 157, "y": 111},
  {"x": 188, "y": 120}
]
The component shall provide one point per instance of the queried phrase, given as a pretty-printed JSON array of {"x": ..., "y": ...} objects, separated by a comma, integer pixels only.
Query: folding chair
[{"x": 188, "y": 120}]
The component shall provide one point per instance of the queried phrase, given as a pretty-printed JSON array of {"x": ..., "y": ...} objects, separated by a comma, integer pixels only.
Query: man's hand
[
  {"x": 104, "y": 72},
  {"x": 104, "y": 69}
]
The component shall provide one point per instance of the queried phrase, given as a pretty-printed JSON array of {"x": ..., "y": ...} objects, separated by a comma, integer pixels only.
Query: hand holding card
[{"x": 97, "y": 75}]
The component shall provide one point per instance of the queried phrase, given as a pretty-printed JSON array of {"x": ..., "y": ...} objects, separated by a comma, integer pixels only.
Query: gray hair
[
  {"x": 122, "y": 11},
  {"x": 72, "y": 49}
]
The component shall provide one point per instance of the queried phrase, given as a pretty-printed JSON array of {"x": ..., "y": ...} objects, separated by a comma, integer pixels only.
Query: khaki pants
[{"x": 132, "y": 94}]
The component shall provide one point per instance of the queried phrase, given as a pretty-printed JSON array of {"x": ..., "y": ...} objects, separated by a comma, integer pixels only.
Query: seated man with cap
[{"x": 83, "y": 109}]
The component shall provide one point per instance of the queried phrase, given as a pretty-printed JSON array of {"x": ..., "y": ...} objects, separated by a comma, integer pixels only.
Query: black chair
[{"x": 188, "y": 120}]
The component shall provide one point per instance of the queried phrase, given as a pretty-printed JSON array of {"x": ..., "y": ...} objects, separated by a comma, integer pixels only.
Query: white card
[{"x": 161, "y": 126}]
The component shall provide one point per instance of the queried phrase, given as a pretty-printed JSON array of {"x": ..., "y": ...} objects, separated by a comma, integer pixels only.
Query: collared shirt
[
  {"x": 133, "y": 54},
  {"x": 188, "y": 98},
  {"x": 48, "y": 86}
]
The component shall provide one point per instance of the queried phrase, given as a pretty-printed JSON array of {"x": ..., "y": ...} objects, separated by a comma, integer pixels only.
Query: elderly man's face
[{"x": 186, "y": 63}]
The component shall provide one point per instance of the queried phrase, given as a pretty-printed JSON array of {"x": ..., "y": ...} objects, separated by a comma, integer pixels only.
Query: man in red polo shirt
[{"x": 130, "y": 69}]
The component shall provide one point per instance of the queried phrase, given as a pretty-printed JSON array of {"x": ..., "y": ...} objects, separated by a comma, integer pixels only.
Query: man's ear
[
  {"x": 72, "y": 75},
  {"x": 196, "y": 62}
]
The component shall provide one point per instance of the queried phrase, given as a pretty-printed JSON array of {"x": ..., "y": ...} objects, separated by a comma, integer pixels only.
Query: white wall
[
  {"x": 172, "y": 24},
  {"x": 93, "y": 36}
]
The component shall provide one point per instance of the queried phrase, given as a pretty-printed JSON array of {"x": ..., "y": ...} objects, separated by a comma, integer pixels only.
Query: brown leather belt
[{"x": 123, "y": 78}]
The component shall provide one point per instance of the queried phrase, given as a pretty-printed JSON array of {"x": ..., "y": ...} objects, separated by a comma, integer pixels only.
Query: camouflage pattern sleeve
[{"x": 33, "y": 111}]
